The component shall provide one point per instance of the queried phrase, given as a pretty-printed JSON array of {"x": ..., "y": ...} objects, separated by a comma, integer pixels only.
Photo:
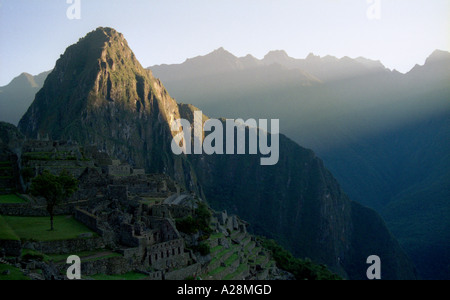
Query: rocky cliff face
[
  {"x": 98, "y": 93},
  {"x": 299, "y": 203}
]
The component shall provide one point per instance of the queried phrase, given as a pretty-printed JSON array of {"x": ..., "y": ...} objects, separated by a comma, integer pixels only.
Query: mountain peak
[
  {"x": 276, "y": 55},
  {"x": 312, "y": 56},
  {"x": 94, "y": 75},
  {"x": 107, "y": 32},
  {"x": 370, "y": 64},
  {"x": 437, "y": 56},
  {"x": 23, "y": 80},
  {"x": 220, "y": 50},
  {"x": 221, "y": 53}
]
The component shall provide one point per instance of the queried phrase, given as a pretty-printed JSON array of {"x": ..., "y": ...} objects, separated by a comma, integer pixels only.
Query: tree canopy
[{"x": 54, "y": 189}]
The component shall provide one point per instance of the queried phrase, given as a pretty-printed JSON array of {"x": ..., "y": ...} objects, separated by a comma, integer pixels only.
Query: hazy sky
[{"x": 34, "y": 33}]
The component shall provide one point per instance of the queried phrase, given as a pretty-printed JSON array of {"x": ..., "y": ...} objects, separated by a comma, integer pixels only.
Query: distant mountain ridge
[
  {"x": 383, "y": 134},
  {"x": 314, "y": 68},
  {"x": 16, "y": 97},
  {"x": 309, "y": 71},
  {"x": 99, "y": 94}
]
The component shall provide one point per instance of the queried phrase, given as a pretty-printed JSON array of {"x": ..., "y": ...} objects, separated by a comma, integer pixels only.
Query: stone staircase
[{"x": 4, "y": 262}]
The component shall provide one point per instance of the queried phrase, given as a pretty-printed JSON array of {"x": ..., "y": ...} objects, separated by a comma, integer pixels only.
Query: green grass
[
  {"x": 216, "y": 249},
  {"x": 15, "y": 273},
  {"x": 216, "y": 235},
  {"x": 238, "y": 271},
  {"x": 217, "y": 271},
  {"x": 38, "y": 228},
  {"x": 260, "y": 260},
  {"x": 6, "y": 233},
  {"x": 250, "y": 244},
  {"x": 11, "y": 199},
  {"x": 231, "y": 259},
  {"x": 35, "y": 255},
  {"x": 127, "y": 276},
  {"x": 84, "y": 256},
  {"x": 219, "y": 255}
]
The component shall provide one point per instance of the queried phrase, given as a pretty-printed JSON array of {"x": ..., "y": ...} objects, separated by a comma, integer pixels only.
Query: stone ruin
[
  {"x": 139, "y": 231},
  {"x": 132, "y": 212}
]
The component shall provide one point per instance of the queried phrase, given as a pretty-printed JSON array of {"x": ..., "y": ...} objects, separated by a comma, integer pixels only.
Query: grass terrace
[
  {"x": 84, "y": 256},
  {"x": 6, "y": 232},
  {"x": 11, "y": 199},
  {"x": 15, "y": 273},
  {"x": 38, "y": 228}
]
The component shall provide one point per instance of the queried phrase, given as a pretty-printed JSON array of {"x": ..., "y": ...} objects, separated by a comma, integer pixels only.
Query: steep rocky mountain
[
  {"x": 384, "y": 135},
  {"x": 99, "y": 94},
  {"x": 16, "y": 97}
]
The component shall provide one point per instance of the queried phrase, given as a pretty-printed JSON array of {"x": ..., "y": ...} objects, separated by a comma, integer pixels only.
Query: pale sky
[{"x": 34, "y": 33}]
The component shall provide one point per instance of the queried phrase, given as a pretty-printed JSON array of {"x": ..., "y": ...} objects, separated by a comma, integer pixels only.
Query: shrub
[
  {"x": 199, "y": 222},
  {"x": 187, "y": 225},
  {"x": 301, "y": 269},
  {"x": 32, "y": 255},
  {"x": 203, "y": 248}
]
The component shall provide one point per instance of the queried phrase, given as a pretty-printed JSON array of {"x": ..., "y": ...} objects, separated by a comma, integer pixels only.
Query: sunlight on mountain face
[{"x": 167, "y": 192}]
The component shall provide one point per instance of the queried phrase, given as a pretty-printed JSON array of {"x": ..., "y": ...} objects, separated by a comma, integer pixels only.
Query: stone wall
[
  {"x": 127, "y": 236},
  {"x": 121, "y": 170},
  {"x": 137, "y": 184},
  {"x": 167, "y": 255},
  {"x": 230, "y": 223},
  {"x": 160, "y": 211},
  {"x": 87, "y": 219},
  {"x": 66, "y": 246},
  {"x": 105, "y": 266},
  {"x": 154, "y": 276},
  {"x": 109, "y": 266},
  {"x": 179, "y": 212},
  {"x": 119, "y": 192},
  {"x": 131, "y": 253},
  {"x": 170, "y": 211},
  {"x": 29, "y": 210},
  {"x": 138, "y": 172},
  {"x": 166, "y": 228},
  {"x": 183, "y": 274},
  {"x": 12, "y": 248}
]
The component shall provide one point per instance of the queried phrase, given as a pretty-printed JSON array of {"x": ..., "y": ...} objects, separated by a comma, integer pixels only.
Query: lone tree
[{"x": 54, "y": 189}]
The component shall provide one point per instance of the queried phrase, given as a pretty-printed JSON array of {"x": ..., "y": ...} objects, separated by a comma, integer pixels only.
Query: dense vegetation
[
  {"x": 54, "y": 189},
  {"x": 199, "y": 221},
  {"x": 301, "y": 269}
]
